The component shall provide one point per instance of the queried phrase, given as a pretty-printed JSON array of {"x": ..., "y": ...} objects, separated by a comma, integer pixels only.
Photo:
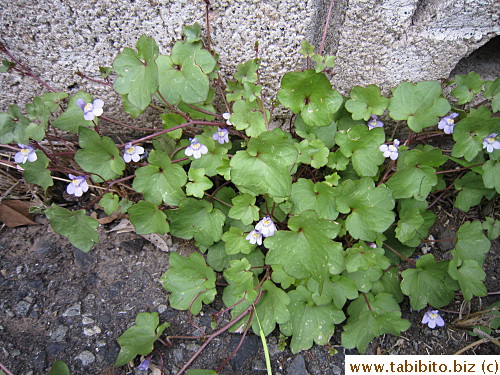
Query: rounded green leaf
[
  {"x": 147, "y": 218},
  {"x": 366, "y": 101}
]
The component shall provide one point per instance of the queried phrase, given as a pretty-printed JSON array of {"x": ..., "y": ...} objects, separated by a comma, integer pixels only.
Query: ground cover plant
[{"x": 310, "y": 227}]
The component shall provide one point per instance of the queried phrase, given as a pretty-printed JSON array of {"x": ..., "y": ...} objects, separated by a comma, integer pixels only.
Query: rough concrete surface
[{"x": 382, "y": 42}]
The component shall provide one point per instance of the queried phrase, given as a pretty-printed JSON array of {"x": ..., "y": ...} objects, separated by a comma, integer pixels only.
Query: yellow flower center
[
  {"x": 76, "y": 182},
  {"x": 195, "y": 146},
  {"x": 490, "y": 140},
  {"x": 450, "y": 121},
  {"x": 266, "y": 222},
  {"x": 88, "y": 107},
  {"x": 255, "y": 235},
  {"x": 433, "y": 316},
  {"x": 392, "y": 148},
  {"x": 131, "y": 150},
  {"x": 25, "y": 151}
]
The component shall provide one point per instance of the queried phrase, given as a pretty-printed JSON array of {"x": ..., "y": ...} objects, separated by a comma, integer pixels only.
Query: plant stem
[{"x": 325, "y": 30}]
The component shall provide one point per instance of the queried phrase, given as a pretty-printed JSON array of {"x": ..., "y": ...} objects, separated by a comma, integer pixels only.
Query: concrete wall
[{"x": 376, "y": 41}]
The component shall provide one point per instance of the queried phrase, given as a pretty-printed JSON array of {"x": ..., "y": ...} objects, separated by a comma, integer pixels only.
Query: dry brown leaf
[
  {"x": 124, "y": 226},
  {"x": 109, "y": 219},
  {"x": 161, "y": 242},
  {"x": 15, "y": 213}
]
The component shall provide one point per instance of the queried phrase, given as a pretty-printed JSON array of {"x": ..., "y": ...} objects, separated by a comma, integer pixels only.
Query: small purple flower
[
  {"x": 266, "y": 227},
  {"x": 448, "y": 123},
  {"x": 90, "y": 110},
  {"x": 226, "y": 117},
  {"x": 77, "y": 186},
  {"x": 132, "y": 153},
  {"x": 490, "y": 143},
  {"x": 144, "y": 366},
  {"x": 255, "y": 237},
  {"x": 390, "y": 151},
  {"x": 374, "y": 123},
  {"x": 27, "y": 153},
  {"x": 221, "y": 136},
  {"x": 196, "y": 149},
  {"x": 433, "y": 319}
]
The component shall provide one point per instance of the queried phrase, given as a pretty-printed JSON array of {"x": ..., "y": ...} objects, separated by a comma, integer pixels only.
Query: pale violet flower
[
  {"x": 390, "y": 151},
  {"x": 490, "y": 143},
  {"x": 77, "y": 186},
  {"x": 255, "y": 237},
  {"x": 374, "y": 122},
  {"x": 433, "y": 319},
  {"x": 221, "y": 136},
  {"x": 196, "y": 149},
  {"x": 90, "y": 110},
  {"x": 448, "y": 123},
  {"x": 144, "y": 366},
  {"x": 266, "y": 226},
  {"x": 132, "y": 153},
  {"x": 226, "y": 117},
  {"x": 27, "y": 153}
]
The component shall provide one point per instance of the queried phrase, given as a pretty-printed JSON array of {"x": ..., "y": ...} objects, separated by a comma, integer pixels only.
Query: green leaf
[
  {"x": 190, "y": 281},
  {"x": 279, "y": 276},
  {"x": 323, "y": 62},
  {"x": 467, "y": 86},
  {"x": 13, "y": 126},
  {"x": 59, "y": 368},
  {"x": 409, "y": 222},
  {"x": 318, "y": 196},
  {"x": 364, "y": 279},
  {"x": 471, "y": 191},
  {"x": 264, "y": 168},
  {"x": 389, "y": 283},
  {"x": 140, "y": 338},
  {"x": 310, "y": 323},
  {"x": 366, "y": 101},
  {"x": 183, "y": 75},
  {"x": 241, "y": 280},
  {"x": 414, "y": 222},
  {"x": 313, "y": 153},
  {"x": 361, "y": 257},
  {"x": 369, "y": 208},
  {"x": 192, "y": 33},
  {"x": 236, "y": 242},
  {"x": 416, "y": 174},
  {"x": 307, "y": 250},
  {"x": 247, "y": 116},
  {"x": 492, "y": 91},
  {"x": 109, "y": 202},
  {"x": 138, "y": 72},
  {"x": 492, "y": 227},
  {"x": 419, "y": 104},
  {"x": 366, "y": 321},
  {"x": 306, "y": 50},
  {"x": 201, "y": 372},
  {"x": 72, "y": 119},
  {"x": 244, "y": 209},
  {"x": 325, "y": 133},
  {"x": 160, "y": 180},
  {"x": 429, "y": 283},
  {"x": 147, "y": 218},
  {"x": 362, "y": 146},
  {"x": 200, "y": 183},
  {"x": 104, "y": 71},
  {"x": 470, "y": 276},
  {"x": 343, "y": 289},
  {"x": 80, "y": 229},
  {"x": 470, "y": 132},
  {"x": 310, "y": 94},
  {"x": 197, "y": 219},
  {"x": 472, "y": 243},
  {"x": 272, "y": 308},
  {"x": 36, "y": 172},
  {"x": 218, "y": 259},
  {"x": 99, "y": 155},
  {"x": 491, "y": 175},
  {"x": 6, "y": 66}
]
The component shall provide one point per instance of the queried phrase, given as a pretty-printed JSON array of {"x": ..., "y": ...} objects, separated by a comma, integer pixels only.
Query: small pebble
[
  {"x": 85, "y": 357},
  {"x": 95, "y": 330},
  {"x": 74, "y": 310}
]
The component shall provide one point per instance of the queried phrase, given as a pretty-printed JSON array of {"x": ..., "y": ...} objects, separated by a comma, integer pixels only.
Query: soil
[{"x": 58, "y": 303}]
